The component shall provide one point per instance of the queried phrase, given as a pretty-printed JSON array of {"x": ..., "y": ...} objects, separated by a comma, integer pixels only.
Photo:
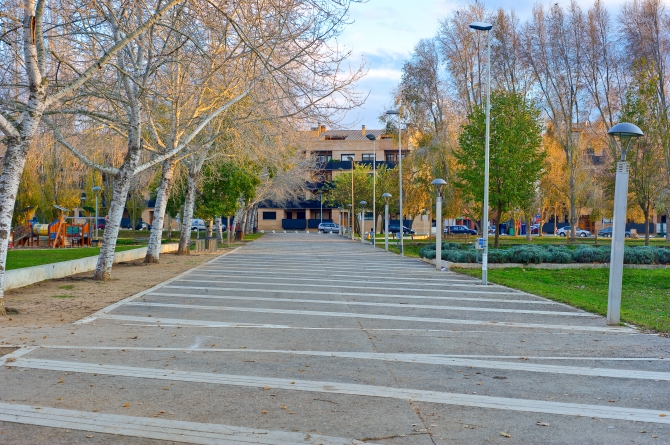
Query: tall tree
[{"x": 516, "y": 160}]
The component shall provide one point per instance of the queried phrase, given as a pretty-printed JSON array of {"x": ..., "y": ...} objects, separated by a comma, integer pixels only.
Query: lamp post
[
  {"x": 96, "y": 189},
  {"x": 482, "y": 26},
  {"x": 321, "y": 198},
  {"x": 349, "y": 217},
  {"x": 439, "y": 184},
  {"x": 363, "y": 204},
  {"x": 402, "y": 226},
  {"x": 373, "y": 138},
  {"x": 625, "y": 133},
  {"x": 339, "y": 220},
  {"x": 386, "y": 197},
  {"x": 352, "y": 197}
]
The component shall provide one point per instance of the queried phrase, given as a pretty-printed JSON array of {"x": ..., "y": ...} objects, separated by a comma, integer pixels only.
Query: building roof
[{"x": 350, "y": 135}]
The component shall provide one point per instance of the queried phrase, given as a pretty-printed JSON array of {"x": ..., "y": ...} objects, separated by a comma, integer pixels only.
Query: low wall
[
  {"x": 551, "y": 266},
  {"x": 30, "y": 275}
]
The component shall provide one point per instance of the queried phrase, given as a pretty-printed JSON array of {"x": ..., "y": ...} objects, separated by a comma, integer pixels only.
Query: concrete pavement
[{"x": 312, "y": 339}]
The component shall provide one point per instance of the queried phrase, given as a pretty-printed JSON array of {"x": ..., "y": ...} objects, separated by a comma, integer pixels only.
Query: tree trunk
[
  {"x": 187, "y": 219},
  {"x": 243, "y": 224},
  {"x": 210, "y": 228},
  {"x": 228, "y": 230},
  {"x": 497, "y": 237},
  {"x": 528, "y": 235},
  {"x": 646, "y": 226},
  {"x": 573, "y": 210},
  {"x": 219, "y": 230},
  {"x": 154, "y": 248},
  {"x": 667, "y": 220},
  {"x": 12, "y": 169},
  {"x": 103, "y": 270}
]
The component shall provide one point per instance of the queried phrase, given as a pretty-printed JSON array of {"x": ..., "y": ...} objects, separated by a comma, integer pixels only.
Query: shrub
[
  {"x": 459, "y": 256},
  {"x": 526, "y": 254},
  {"x": 427, "y": 252},
  {"x": 498, "y": 256},
  {"x": 451, "y": 246},
  {"x": 663, "y": 256},
  {"x": 587, "y": 254},
  {"x": 640, "y": 255},
  {"x": 557, "y": 255}
]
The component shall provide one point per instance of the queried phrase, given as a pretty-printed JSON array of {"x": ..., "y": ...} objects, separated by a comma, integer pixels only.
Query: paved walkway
[{"x": 311, "y": 339}]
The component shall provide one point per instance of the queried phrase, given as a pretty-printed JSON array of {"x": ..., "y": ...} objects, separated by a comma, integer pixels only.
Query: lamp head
[
  {"x": 348, "y": 205},
  {"x": 97, "y": 188},
  {"x": 364, "y": 203},
  {"x": 625, "y": 133},
  {"x": 386, "y": 196},
  {"x": 481, "y": 26},
  {"x": 439, "y": 183},
  {"x": 371, "y": 136},
  {"x": 391, "y": 112}
]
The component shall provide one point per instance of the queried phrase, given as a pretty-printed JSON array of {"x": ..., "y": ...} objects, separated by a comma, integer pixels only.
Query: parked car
[
  {"x": 459, "y": 230},
  {"x": 102, "y": 222},
  {"x": 535, "y": 229},
  {"x": 329, "y": 227},
  {"x": 563, "y": 231},
  {"x": 142, "y": 226},
  {"x": 395, "y": 228},
  {"x": 607, "y": 233},
  {"x": 198, "y": 224}
]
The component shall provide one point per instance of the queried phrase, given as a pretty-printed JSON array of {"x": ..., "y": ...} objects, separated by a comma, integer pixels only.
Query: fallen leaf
[
  {"x": 283, "y": 407},
  {"x": 291, "y": 412},
  {"x": 166, "y": 389},
  {"x": 505, "y": 434},
  {"x": 266, "y": 388},
  {"x": 292, "y": 383},
  {"x": 479, "y": 383},
  {"x": 89, "y": 437},
  {"x": 264, "y": 411},
  {"x": 611, "y": 401},
  {"x": 161, "y": 412},
  {"x": 661, "y": 415},
  {"x": 59, "y": 398},
  {"x": 44, "y": 337},
  {"x": 61, "y": 381},
  {"x": 10, "y": 359},
  {"x": 542, "y": 424},
  {"x": 126, "y": 405}
]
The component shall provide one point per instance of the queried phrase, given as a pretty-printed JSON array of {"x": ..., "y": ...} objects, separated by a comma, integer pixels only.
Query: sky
[{"x": 384, "y": 32}]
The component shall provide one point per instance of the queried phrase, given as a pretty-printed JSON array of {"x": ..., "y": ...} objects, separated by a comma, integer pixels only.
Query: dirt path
[{"x": 69, "y": 299}]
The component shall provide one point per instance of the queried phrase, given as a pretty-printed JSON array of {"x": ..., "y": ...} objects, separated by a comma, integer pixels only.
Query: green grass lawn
[
  {"x": 645, "y": 297},
  {"x": 18, "y": 258}
]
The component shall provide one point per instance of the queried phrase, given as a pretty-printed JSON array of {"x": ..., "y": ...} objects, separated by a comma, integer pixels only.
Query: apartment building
[{"x": 333, "y": 150}]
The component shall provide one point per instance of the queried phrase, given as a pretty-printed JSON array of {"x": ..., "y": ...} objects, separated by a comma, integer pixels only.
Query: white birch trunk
[
  {"x": 162, "y": 196},
  {"x": 122, "y": 180},
  {"x": 189, "y": 203},
  {"x": 219, "y": 229},
  {"x": 12, "y": 169}
]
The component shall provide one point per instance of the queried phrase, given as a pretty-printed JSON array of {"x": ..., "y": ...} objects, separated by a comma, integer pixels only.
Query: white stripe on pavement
[
  {"x": 159, "y": 429},
  {"x": 363, "y": 303},
  {"x": 523, "y": 405},
  {"x": 604, "y": 329}
]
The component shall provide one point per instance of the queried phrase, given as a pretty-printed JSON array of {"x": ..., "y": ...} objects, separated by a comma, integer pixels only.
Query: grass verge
[
  {"x": 18, "y": 258},
  {"x": 645, "y": 298}
]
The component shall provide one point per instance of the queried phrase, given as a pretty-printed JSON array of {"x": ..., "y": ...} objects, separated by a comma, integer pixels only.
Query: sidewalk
[{"x": 313, "y": 339}]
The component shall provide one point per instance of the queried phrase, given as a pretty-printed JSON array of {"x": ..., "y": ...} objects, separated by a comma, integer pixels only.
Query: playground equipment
[{"x": 58, "y": 233}]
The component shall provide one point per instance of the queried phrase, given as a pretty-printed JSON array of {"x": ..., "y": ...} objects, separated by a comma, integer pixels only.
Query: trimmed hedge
[{"x": 536, "y": 254}]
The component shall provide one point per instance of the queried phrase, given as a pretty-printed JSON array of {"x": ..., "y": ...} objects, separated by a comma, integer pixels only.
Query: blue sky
[{"x": 384, "y": 33}]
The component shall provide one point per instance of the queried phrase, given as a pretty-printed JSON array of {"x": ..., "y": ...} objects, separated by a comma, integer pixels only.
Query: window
[
  {"x": 269, "y": 215},
  {"x": 335, "y": 137},
  {"x": 368, "y": 157},
  {"x": 391, "y": 157},
  {"x": 322, "y": 159},
  {"x": 345, "y": 158}
]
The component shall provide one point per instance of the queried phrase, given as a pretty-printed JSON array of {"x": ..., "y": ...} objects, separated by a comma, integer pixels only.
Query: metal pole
[
  {"x": 352, "y": 198},
  {"x": 618, "y": 237},
  {"x": 363, "y": 225},
  {"x": 402, "y": 227},
  {"x": 96, "y": 216},
  {"x": 438, "y": 232},
  {"x": 228, "y": 230},
  {"x": 374, "y": 191},
  {"x": 321, "y": 207},
  {"x": 386, "y": 226},
  {"x": 485, "y": 216}
]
